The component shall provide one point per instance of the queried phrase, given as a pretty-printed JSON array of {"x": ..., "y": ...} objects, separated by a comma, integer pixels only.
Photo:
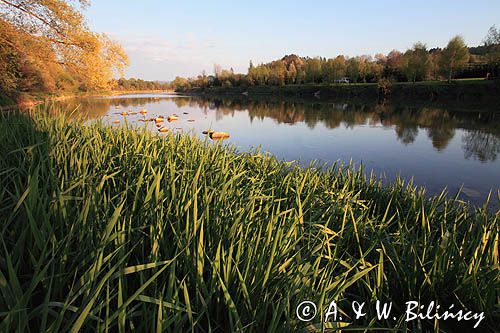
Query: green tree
[
  {"x": 278, "y": 73},
  {"x": 180, "y": 83},
  {"x": 375, "y": 69},
  {"x": 364, "y": 66},
  {"x": 353, "y": 69},
  {"x": 313, "y": 70},
  {"x": 416, "y": 62},
  {"x": 339, "y": 67},
  {"x": 493, "y": 36},
  {"x": 492, "y": 45},
  {"x": 334, "y": 69},
  {"x": 454, "y": 56},
  {"x": 329, "y": 71}
]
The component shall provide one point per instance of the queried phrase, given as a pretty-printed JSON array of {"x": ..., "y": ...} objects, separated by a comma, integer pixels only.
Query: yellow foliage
[{"x": 47, "y": 46}]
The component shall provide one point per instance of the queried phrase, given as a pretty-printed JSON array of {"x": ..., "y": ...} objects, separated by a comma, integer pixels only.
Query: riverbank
[
  {"x": 28, "y": 101},
  {"x": 181, "y": 234},
  {"x": 462, "y": 91}
]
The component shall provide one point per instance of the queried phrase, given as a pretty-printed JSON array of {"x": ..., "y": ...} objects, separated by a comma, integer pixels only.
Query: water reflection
[
  {"x": 481, "y": 140},
  {"x": 438, "y": 147},
  {"x": 481, "y": 145},
  {"x": 92, "y": 108}
]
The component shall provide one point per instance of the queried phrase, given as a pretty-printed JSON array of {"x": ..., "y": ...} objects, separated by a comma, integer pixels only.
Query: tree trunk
[{"x": 451, "y": 70}]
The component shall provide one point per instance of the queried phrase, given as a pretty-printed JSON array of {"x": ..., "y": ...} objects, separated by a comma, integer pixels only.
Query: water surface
[{"x": 437, "y": 147}]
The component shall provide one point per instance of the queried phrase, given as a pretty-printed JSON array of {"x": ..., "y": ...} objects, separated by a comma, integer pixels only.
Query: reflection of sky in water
[{"x": 429, "y": 145}]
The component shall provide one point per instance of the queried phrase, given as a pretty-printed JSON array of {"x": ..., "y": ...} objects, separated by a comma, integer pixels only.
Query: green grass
[
  {"x": 5, "y": 100},
  {"x": 473, "y": 81},
  {"x": 120, "y": 230}
]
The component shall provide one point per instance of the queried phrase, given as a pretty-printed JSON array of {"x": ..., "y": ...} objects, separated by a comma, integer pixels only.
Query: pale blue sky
[{"x": 169, "y": 38}]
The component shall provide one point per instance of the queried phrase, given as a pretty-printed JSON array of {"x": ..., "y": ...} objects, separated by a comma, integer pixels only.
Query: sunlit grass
[{"x": 124, "y": 230}]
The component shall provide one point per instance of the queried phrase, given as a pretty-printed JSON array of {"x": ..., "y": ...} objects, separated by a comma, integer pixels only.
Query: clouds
[
  {"x": 157, "y": 48},
  {"x": 189, "y": 36},
  {"x": 160, "y": 57}
]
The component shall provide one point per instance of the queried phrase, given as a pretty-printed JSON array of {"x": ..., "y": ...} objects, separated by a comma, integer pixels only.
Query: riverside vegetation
[
  {"x": 47, "y": 49},
  {"x": 119, "y": 229},
  {"x": 418, "y": 64}
]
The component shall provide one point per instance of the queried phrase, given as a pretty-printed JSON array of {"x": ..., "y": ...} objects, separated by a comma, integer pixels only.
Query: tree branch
[{"x": 38, "y": 17}]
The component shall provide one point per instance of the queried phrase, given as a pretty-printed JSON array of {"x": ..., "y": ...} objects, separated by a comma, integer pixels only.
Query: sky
[{"x": 165, "y": 39}]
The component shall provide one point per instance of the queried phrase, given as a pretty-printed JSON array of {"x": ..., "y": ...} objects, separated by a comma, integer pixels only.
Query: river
[{"x": 437, "y": 147}]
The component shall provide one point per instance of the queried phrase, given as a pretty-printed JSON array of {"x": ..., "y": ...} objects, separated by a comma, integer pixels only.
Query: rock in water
[
  {"x": 471, "y": 193},
  {"x": 219, "y": 135}
]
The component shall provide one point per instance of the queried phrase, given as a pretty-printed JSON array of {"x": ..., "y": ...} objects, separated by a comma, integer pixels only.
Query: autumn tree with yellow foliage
[{"x": 46, "y": 46}]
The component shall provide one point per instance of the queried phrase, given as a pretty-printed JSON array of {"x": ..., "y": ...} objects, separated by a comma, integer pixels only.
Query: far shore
[
  {"x": 466, "y": 93},
  {"x": 476, "y": 91}
]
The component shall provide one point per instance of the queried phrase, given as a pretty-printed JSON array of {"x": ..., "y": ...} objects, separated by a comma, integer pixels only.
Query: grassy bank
[
  {"x": 464, "y": 91},
  {"x": 124, "y": 230}
]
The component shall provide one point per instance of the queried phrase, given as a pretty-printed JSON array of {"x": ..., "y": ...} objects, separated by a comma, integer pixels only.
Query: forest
[{"x": 455, "y": 61}]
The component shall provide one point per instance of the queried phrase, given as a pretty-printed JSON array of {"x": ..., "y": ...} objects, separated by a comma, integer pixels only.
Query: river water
[{"x": 436, "y": 147}]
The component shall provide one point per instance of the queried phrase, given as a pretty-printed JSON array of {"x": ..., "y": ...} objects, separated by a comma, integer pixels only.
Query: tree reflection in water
[
  {"x": 481, "y": 146},
  {"x": 481, "y": 140}
]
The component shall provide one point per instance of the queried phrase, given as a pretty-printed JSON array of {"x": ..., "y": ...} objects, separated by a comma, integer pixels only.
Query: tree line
[
  {"x": 419, "y": 63},
  {"x": 134, "y": 84}
]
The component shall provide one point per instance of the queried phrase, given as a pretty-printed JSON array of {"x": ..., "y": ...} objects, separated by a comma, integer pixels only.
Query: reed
[{"x": 120, "y": 229}]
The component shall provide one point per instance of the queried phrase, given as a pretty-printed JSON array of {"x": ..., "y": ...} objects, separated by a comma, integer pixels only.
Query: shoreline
[
  {"x": 479, "y": 93},
  {"x": 27, "y": 101}
]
